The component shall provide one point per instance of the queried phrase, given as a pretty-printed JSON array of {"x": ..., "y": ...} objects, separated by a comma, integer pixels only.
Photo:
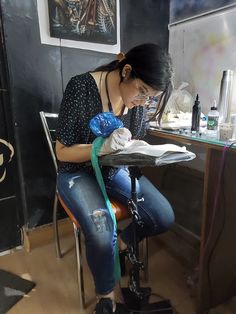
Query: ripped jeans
[{"x": 81, "y": 193}]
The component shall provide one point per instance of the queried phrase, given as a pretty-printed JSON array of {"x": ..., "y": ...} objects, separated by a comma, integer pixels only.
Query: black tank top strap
[
  {"x": 110, "y": 106},
  {"x": 108, "y": 97}
]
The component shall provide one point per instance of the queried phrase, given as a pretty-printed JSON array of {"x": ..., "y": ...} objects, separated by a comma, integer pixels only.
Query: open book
[{"x": 140, "y": 153}]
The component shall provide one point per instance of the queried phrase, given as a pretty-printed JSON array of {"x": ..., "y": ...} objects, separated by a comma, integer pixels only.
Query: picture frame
[
  {"x": 84, "y": 24},
  {"x": 83, "y": 20},
  {"x": 185, "y": 9}
]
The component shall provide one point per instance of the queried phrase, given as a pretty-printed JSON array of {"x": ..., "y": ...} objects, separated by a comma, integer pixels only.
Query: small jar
[
  {"x": 226, "y": 131},
  {"x": 233, "y": 122}
]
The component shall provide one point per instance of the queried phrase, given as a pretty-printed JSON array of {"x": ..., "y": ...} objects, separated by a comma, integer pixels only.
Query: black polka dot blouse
[{"x": 80, "y": 103}]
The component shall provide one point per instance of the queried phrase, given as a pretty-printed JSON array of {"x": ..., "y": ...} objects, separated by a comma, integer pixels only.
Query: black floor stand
[{"x": 135, "y": 297}]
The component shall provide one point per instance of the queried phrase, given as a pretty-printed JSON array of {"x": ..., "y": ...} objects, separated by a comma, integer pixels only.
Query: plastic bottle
[
  {"x": 212, "y": 121},
  {"x": 196, "y": 114}
]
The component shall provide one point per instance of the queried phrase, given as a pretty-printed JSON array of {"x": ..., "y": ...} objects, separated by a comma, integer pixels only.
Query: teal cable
[{"x": 97, "y": 144}]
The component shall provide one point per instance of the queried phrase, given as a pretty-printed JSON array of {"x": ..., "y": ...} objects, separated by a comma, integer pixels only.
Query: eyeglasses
[{"x": 144, "y": 95}]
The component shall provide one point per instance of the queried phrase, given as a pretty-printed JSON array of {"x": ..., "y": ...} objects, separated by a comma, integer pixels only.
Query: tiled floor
[{"x": 56, "y": 289}]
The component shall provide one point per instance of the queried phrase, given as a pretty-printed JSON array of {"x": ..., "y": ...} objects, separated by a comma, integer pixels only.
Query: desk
[{"x": 217, "y": 264}]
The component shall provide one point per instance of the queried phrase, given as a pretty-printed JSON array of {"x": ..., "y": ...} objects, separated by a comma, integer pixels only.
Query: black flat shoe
[{"x": 105, "y": 306}]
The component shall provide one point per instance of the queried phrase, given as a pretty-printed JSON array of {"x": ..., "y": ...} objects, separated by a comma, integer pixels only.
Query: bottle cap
[
  {"x": 197, "y": 102},
  {"x": 228, "y": 72},
  {"x": 214, "y": 106}
]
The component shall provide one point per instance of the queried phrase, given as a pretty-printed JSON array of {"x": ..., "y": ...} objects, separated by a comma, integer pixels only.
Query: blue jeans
[{"x": 81, "y": 193}]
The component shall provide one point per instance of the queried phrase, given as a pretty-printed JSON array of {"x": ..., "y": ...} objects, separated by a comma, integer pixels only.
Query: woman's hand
[{"x": 116, "y": 141}]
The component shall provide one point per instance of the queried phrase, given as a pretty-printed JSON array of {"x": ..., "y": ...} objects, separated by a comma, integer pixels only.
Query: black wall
[
  {"x": 10, "y": 219},
  {"x": 10, "y": 235},
  {"x": 39, "y": 73}
]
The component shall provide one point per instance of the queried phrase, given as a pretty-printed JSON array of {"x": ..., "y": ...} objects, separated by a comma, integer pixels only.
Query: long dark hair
[{"x": 152, "y": 64}]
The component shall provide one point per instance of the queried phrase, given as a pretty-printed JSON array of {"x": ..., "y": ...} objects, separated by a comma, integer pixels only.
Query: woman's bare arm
[{"x": 76, "y": 153}]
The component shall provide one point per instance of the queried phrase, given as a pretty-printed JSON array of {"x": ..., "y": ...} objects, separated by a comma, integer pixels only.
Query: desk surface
[{"x": 187, "y": 137}]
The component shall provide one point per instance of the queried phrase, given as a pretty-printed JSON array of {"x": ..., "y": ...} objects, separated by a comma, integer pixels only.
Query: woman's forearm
[{"x": 76, "y": 153}]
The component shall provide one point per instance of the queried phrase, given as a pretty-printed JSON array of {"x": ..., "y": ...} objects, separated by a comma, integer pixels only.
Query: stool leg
[
  {"x": 146, "y": 272},
  {"x": 80, "y": 276},
  {"x": 55, "y": 227}
]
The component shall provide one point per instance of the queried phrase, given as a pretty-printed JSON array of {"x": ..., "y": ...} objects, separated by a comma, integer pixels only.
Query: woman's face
[{"x": 135, "y": 92}]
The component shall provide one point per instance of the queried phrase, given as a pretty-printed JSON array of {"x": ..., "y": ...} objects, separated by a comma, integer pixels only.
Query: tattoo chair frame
[{"x": 121, "y": 212}]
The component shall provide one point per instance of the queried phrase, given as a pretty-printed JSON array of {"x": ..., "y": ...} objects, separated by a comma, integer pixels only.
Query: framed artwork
[
  {"x": 83, "y": 20},
  {"x": 84, "y": 24},
  {"x": 183, "y": 9}
]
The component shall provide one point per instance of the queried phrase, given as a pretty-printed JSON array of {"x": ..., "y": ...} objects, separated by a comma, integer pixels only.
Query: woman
[{"x": 122, "y": 87}]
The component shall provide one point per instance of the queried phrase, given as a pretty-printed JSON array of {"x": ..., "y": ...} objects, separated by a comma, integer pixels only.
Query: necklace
[
  {"x": 100, "y": 83},
  {"x": 108, "y": 97}
]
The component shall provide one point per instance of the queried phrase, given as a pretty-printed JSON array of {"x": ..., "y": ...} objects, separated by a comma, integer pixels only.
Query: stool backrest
[{"x": 49, "y": 122}]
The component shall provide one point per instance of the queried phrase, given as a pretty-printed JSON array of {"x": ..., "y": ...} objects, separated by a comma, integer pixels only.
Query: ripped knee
[{"x": 99, "y": 219}]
